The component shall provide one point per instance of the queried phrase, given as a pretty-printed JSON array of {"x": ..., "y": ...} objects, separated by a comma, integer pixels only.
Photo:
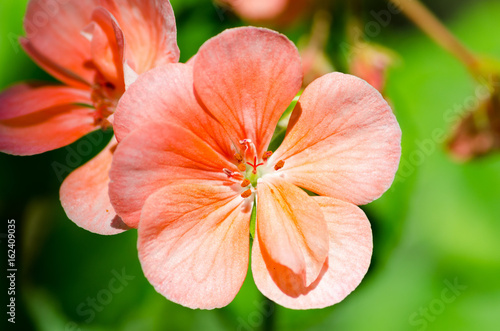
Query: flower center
[
  {"x": 104, "y": 106},
  {"x": 105, "y": 96},
  {"x": 250, "y": 171}
]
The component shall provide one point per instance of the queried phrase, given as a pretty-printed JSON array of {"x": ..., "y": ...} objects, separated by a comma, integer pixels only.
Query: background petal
[
  {"x": 348, "y": 260},
  {"x": 343, "y": 140},
  {"x": 292, "y": 233},
  {"x": 154, "y": 156},
  {"x": 149, "y": 29},
  {"x": 246, "y": 78},
  {"x": 54, "y": 39},
  {"x": 107, "y": 46},
  {"x": 84, "y": 195},
  {"x": 45, "y": 130},
  {"x": 193, "y": 244},
  {"x": 27, "y": 98}
]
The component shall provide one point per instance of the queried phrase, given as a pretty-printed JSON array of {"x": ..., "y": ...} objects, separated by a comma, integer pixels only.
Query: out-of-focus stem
[
  {"x": 320, "y": 30},
  {"x": 426, "y": 21}
]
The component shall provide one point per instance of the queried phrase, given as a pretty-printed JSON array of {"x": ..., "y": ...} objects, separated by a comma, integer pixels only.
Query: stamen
[
  {"x": 238, "y": 157},
  {"x": 103, "y": 103},
  {"x": 235, "y": 175},
  {"x": 267, "y": 155},
  {"x": 246, "y": 194},
  {"x": 279, "y": 165},
  {"x": 245, "y": 183},
  {"x": 242, "y": 167}
]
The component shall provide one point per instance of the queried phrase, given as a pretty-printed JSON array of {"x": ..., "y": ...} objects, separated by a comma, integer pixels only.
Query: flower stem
[{"x": 426, "y": 21}]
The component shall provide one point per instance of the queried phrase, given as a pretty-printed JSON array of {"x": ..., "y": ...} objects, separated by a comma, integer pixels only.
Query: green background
[{"x": 439, "y": 224}]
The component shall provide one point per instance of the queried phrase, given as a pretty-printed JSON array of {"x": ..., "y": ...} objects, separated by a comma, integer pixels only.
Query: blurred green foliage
[{"x": 439, "y": 224}]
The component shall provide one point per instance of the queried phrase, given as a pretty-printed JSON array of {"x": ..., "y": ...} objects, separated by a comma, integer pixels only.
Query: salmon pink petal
[
  {"x": 149, "y": 29},
  {"x": 193, "y": 243},
  {"x": 349, "y": 257},
  {"x": 166, "y": 94},
  {"x": 130, "y": 76},
  {"x": 54, "y": 39},
  {"x": 84, "y": 195},
  {"x": 342, "y": 141},
  {"x": 155, "y": 155},
  {"x": 247, "y": 77},
  {"x": 292, "y": 233},
  {"x": 108, "y": 47},
  {"x": 54, "y": 69},
  {"x": 27, "y": 98},
  {"x": 45, "y": 130}
]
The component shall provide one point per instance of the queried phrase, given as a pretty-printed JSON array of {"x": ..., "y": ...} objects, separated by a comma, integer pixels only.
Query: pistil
[{"x": 254, "y": 165}]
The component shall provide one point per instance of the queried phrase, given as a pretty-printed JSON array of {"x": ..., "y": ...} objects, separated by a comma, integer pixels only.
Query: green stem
[{"x": 426, "y": 21}]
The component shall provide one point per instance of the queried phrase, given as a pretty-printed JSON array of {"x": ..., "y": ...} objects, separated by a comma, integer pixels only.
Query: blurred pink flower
[
  {"x": 191, "y": 163},
  {"x": 272, "y": 12},
  {"x": 95, "y": 48},
  {"x": 371, "y": 63}
]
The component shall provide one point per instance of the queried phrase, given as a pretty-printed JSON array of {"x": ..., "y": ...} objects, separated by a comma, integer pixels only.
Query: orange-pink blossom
[
  {"x": 95, "y": 48},
  {"x": 193, "y": 161}
]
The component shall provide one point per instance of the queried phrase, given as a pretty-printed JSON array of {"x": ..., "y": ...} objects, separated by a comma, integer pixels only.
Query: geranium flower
[
  {"x": 192, "y": 161},
  {"x": 95, "y": 48}
]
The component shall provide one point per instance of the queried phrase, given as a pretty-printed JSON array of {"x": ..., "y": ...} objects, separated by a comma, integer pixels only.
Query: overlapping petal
[
  {"x": 193, "y": 243},
  {"x": 149, "y": 29},
  {"x": 350, "y": 250},
  {"x": 292, "y": 233},
  {"x": 342, "y": 141},
  {"x": 246, "y": 78},
  {"x": 84, "y": 195},
  {"x": 166, "y": 94},
  {"x": 54, "y": 39},
  {"x": 107, "y": 45},
  {"x": 155, "y": 155}
]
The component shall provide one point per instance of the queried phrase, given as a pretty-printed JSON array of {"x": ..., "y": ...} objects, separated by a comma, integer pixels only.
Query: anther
[
  {"x": 267, "y": 155},
  {"x": 238, "y": 157},
  {"x": 242, "y": 167},
  {"x": 245, "y": 183},
  {"x": 246, "y": 194},
  {"x": 279, "y": 165}
]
